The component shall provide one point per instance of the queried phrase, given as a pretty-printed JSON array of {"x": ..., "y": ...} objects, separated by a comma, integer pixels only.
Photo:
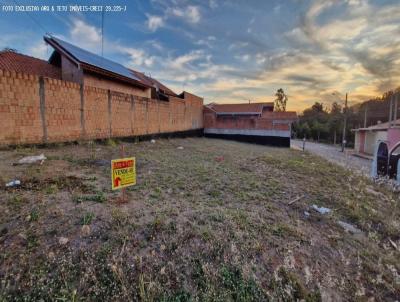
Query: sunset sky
[{"x": 234, "y": 51}]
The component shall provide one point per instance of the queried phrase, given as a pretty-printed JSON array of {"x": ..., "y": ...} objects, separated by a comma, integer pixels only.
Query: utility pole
[
  {"x": 390, "y": 111},
  {"x": 365, "y": 116},
  {"x": 395, "y": 108},
  {"x": 344, "y": 124}
]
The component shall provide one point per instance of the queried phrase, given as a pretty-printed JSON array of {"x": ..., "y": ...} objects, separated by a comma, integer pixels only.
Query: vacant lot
[{"x": 214, "y": 221}]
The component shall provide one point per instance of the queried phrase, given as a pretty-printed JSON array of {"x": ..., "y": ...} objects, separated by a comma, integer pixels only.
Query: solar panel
[{"x": 96, "y": 60}]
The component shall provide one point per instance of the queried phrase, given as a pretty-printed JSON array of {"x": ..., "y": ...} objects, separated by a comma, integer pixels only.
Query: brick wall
[
  {"x": 269, "y": 121},
  {"x": 95, "y": 81},
  {"x": 19, "y": 108},
  {"x": 37, "y": 110}
]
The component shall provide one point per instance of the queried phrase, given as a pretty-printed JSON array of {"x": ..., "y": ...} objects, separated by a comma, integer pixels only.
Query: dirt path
[{"x": 333, "y": 154}]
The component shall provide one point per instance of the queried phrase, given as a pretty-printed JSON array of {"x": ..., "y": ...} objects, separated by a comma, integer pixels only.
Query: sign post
[{"x": 123, "y": 173}]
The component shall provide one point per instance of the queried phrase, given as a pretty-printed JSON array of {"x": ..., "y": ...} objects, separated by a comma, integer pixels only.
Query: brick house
[
  {"x": 73, "y": 64},
  {"x": 253, "y": 122},
  {"x": 83, "y": 67},
  {"x": 77, "y": 95}
]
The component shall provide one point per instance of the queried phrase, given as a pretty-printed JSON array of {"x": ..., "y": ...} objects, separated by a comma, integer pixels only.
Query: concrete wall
[
  {"x": 38, "y": 110},
  {"x": 357, "y": 141},
  {"x": 371, "y": 138}
]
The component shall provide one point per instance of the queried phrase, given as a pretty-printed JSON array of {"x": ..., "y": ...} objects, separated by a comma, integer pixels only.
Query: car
[{"x": 386, "y": 161}]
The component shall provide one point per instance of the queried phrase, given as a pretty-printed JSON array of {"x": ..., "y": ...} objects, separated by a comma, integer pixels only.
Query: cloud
[
  {"x": 244, "y": 58},
  {"x": 350, "y": 45},
  {"x": 154, "y": 22},
  {"x": 137, "y": 57},
  {"x": 40, "y": 50},
  {"x": 190, "y": 13},
  {"x": 182, "y": 62},
  {"x": 213, "y": 4},
  {"x": 85, "y": 35}
]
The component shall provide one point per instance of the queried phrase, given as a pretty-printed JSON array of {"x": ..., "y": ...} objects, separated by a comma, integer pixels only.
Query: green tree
[{"x": 281, "y": 100}]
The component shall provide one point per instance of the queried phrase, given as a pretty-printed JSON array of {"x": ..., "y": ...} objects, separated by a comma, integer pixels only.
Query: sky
[{"x": 233, "y": 51}]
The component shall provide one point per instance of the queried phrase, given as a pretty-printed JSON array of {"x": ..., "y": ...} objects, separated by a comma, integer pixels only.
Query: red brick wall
[
  {"x": 63, "y": 110},
  {"x": 269, "y": 121},
  {"x": 105, "y": 113},
  {"x": 92, "y": 80},
  {"x": 19, "y": 108},
  {"x": 96, "y": 113}
]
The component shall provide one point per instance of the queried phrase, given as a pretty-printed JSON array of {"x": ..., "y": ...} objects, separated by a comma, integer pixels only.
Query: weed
[
  {"x": 53, "y": 188},
  {"x": 87, "y": 218},
  {"x": 214, "y": 193},
  {"x": 179, "y": 296},
  {"x": 111, "y": 142},
  {"x": 32, "y": 240},
  {"x": 282, "y": 230},
  {"x": 241, "y": 218},
  {"x": 155, "y": 227},
  {"x": 34, "y": 215},
  {"x": 217, "y": 217},
  {"x": 207, "y": 235},
  {"x": 17, "y": 200},
  {"x": 99, "y": 197},
  {"x": 144, "y": 292},
  {"x": 238, "y": 288},
  {"x": 198, "y": 275},
  {"x": 287, "y": 287},
  {"x": 118, "y": 218},
  {"x": 156, "y": 193}
]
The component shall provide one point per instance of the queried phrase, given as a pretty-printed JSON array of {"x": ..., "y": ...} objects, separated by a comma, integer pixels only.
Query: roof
[
  {"x": 94, "y": 63},
  {"x": 153, "y": 82},
  {"x": 379, "y": 127},
  {"x": 13, "y": 61},
  {"x": 239, "y": 109}
]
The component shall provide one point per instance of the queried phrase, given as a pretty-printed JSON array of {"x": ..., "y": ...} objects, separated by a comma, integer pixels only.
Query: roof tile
[{"x": 13, "y": 61}]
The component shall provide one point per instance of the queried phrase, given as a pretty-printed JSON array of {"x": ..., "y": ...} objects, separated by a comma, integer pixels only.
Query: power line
[{"x": 31, "y": 17}]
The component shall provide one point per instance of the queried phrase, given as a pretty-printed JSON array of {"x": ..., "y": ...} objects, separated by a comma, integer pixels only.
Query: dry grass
[{"x": 210, "y": 222}]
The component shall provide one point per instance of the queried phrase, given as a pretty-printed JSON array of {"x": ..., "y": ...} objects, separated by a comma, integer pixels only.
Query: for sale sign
[{"x": 123, "y": 173}]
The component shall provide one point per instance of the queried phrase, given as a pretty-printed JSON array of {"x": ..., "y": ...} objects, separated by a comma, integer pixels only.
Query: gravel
[{"x": 334, "y": 154}]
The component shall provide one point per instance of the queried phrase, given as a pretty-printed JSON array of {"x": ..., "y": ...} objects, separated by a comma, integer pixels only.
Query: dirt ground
[{"x": 215, "y": 221}]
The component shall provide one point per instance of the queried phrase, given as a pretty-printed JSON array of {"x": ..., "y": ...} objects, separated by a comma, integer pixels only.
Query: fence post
[
  {"x": 83, "y": 133},
  {"x": 132, "y": 113},
  {"x": 109, "y": 112},
  {"x": 158, "y": 112},
  {"x": 147, "y": 115},
  {"x": 43, "y": 108}
]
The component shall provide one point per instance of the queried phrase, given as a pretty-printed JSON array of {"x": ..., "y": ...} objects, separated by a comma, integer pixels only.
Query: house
[
  {"x": 367, "y": 138},
  {"x": 250, "y": 122},
  {"x": 78, "y": 95},
  {"x": 83, "y": 67},
  {"x": 71, "y": 63}
]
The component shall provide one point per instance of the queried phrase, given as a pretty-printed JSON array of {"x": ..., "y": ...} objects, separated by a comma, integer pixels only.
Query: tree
[
  {"x": 335, "y": 121},
  {"x": 8, "y": 49},
  {"x": 281, "y": 100}
]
